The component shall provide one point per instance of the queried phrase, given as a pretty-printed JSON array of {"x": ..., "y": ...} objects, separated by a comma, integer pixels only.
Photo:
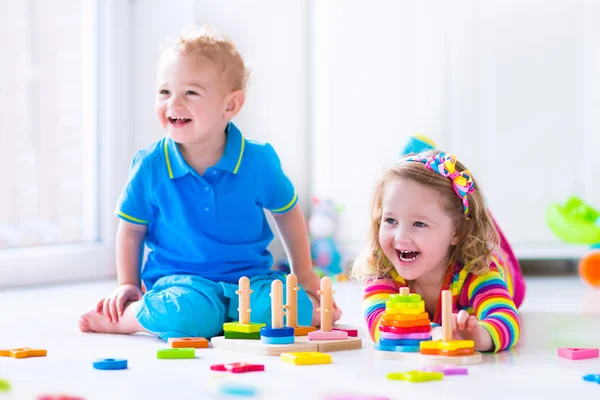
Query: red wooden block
[
  {"x": 238, "y": 367},
  {"x": 349, "y": 331}
]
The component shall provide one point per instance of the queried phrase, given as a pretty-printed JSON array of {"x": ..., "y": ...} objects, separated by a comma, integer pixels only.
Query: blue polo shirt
[{"x": 214, "y": 225}]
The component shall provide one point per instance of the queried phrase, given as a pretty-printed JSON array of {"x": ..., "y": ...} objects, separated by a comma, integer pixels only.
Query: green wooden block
[
  {"x": 242, "y": 335},
  {"x": 245, "y": 328},
  {"x": 4, "y": 385},
  {"x": 176, "y": 353},
  {"x": 413, "y": 297}
]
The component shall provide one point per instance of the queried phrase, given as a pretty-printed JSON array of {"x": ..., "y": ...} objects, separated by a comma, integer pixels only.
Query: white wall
[{"x": 509, "y": 86}]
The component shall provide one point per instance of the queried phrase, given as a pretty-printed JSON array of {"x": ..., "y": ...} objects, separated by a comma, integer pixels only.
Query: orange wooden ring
[{"x": 589, "y": 269}]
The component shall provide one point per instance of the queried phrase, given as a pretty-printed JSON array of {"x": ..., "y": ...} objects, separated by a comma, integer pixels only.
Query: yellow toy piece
[
  {"x": 23, "y": 352},
  {"x": 415, "y": 376},
  {"x": 306, "y": 358},
  {"x": 243, "y": 328},
  {"x": 451, "y": 348},
  {"x": 401, "y": 305}
]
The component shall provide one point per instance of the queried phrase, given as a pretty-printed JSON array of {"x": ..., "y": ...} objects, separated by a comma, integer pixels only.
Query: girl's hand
[
  {"x": 113, "y": 305},
  {"x": 466, "y": 327}
]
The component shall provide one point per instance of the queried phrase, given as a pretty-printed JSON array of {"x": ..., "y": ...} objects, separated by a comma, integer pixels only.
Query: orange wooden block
[
  {"x": 23, "y": 352},
  {"x": 303, "y": 330},
  {"x": 451, "y": 348},
  {"x": 188, "y": 342},
  {"x": 404, "y": 317},
  {"x": 405, "y": 324}
]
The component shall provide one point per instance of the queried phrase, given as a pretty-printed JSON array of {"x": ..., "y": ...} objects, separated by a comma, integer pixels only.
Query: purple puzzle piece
[{"x": 447, "y": 369}]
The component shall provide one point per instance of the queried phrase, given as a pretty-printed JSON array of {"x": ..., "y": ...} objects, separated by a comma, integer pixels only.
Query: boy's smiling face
[{"x": 192, "y": 98}]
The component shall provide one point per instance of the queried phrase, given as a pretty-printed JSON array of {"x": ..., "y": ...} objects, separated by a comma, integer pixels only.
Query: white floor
[{"x": 558, "y": 312}]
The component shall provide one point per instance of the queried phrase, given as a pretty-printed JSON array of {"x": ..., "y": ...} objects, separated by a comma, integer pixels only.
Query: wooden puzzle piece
[
  {"x": 306, "y": 358},
  {"x": 197, "y": 343},
  {"x": 451, "y": 348},
  {"x": 242, "y": 335},
  {"x": 403, "y": 330},
  {"x": 110, "y": 363},
  {"x": 280, "y": 340},
  {"x": 447, "y": 369},
  {"x": 23, "y": 352},
  {"x": 4, "y": 385},
  {"x": 404, "y": 336},
  {"x": 172, "y": 354},
  {"x": 592, "y": 378},
  {"x": 277, "y": 332},
  {"x": 350, "y": 331},
  {"x": 577, "y": 354},
  {"x": 404, "y": 305},
  {"x": 303, "y": 330},
  {"x": 332, "y": 335},
  {"x": 400, "y": 298},
  {"x": 405, "y": 324},
  {"x": 237, "y": 368},
  {"x": 243, "y": 328},
  {"x": 416, "y": 376}
]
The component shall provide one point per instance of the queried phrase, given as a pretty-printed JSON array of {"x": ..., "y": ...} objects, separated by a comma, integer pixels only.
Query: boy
[{"x": 197, "y": 199}]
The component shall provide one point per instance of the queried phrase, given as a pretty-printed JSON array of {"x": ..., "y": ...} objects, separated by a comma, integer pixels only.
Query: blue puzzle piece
[
  {"x": 400, "y": 349},
  {"x": 277, "y": 340},
  {"x": 592, "y": 378},
  {"x": 110, "y": 363},
  {"x": 401, "y": 342},
  {"x": 277, "y": 332}
]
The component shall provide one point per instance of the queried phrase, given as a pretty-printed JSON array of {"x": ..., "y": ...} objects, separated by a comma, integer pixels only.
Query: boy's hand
[
  {"x": 465, "y": 326},
  {"x": 311, "y": 283},
  {"x": 114, "y": 304}
]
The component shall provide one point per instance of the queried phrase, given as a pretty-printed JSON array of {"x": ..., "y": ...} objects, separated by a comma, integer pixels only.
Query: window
[{"x": 62, "y": 167}]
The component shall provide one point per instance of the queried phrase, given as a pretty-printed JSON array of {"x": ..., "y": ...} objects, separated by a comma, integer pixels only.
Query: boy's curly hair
[
  {"x": 476, "y": 231},
  {"x": 214, "y": 46}
]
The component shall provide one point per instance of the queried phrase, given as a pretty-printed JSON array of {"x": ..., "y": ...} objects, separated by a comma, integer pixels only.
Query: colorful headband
[{"x": 445, "y": 165}]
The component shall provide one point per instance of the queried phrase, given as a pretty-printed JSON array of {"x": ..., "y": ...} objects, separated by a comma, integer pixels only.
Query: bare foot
[{"x": 91, "y": 321}]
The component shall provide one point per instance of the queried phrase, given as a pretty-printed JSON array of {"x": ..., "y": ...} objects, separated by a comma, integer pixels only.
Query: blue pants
[{"x": 191, "y": 306}]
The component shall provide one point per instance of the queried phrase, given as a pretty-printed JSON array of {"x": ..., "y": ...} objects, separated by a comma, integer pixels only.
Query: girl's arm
[
  {"x": 375, "y": 293},
  {"x": 494, "y": 308}
]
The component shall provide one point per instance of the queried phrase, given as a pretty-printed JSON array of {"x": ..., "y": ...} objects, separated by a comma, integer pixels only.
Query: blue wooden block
[
  {"x": 400, "y": 349},
  {"x": 277, "y": 332},
  {"x": 277, "y": 340},
  {"x": 401, "y": 342},
  {"x": 110, "y": 363}
]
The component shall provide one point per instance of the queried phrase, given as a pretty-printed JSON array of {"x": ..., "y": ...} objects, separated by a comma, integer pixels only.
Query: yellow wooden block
[
  {"x": 404, "y": 317},
  {"x": 306, "y": 358},
  {"x": 405, "y": 311},
  {"x": 244, "y": 328},
  {"x": 23, "y": 352},
  {"x": 404, "y": 304},
  {"x": 416, "y": 376},
  {"x": 450, "y": 346}
]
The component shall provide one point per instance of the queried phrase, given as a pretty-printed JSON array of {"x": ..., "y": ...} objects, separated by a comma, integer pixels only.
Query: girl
[{"x": 431, "y": 232}]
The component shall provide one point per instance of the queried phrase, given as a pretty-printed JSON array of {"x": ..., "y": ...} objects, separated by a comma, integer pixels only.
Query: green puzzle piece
[
  {"x": 177, "y": 353},
  {"x": 416, "y": 376}
]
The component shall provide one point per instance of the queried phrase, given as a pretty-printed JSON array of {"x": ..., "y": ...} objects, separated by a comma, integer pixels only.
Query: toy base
[
  {"x": 301, "y": 344},
  {"x": 475, "y": 358}
]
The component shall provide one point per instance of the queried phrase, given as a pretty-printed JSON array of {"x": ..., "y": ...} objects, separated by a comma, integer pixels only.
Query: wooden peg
[
  {"x": 446, "y": 316},
  {"x": 326, "y": 304},
  {"x": 404, "y": 291},
  {"x": 244, "y": 299},
  {"x": 276, "y": 304},
  {"x": 291, "y": 308}
]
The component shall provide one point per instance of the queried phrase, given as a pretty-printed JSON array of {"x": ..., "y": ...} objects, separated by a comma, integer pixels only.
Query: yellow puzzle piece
[
  {"x": 23, "y": 352},
  {"x": 244, "y": 328},
  {"x": 306, "y": 358},
  {"x": 412, "y": 297},
  {"x": 451, "y": 348},
  {"x": 415, "y": 376}
]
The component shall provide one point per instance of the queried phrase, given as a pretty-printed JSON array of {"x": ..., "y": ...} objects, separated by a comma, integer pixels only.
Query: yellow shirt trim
[{"x": 287, "y": 206}]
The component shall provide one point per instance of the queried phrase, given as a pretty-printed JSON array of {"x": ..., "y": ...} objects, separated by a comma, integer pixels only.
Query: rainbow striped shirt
[{"x": 489, "y": 297}]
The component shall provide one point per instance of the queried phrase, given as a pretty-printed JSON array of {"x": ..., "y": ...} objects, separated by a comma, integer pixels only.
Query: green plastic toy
[
  {"x": 574, "y": 222},
  {"x": 4, "y": 385},
  {"x": 177, "y": 353}
]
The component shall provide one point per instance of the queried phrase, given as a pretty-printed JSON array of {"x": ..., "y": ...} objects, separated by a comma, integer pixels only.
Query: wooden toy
[
  {"x": 197, "y": 343},
  {"x": 4, "y": 385},
  {"x": 306, "y": 358},
  {"x": 350, "y": 331},
  {"x": 326, "y": 307},
  {"x": 277, "y": 333},
  {"x": 23, "y": 352},
  {"x": 237, "y": 389},
  {"x": 447, "y": 369},
  {"x": 301, "y": 343},
  {"x": 176, "y": 353},
  {"x": 291, "y": 308},
  {"x": 243, "y": 325},
  {"x": 110, "y": 363},
  {"x": 237, "y": 368},
  {"x": 592, "y": 378},
  {"x": 415, "y": 376},
  {"x": 241, "y": 335},
  {"x": 577, "y": 354}
]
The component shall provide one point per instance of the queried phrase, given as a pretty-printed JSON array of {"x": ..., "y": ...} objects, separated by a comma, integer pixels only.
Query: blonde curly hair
[
  {"x": 214, "y": 46},
  {"x": 477, "y": 233}
]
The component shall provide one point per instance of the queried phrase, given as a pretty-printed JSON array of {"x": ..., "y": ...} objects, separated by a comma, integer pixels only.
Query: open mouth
[
  {"x": 408, "y": 255},
  {"x": 179, "y": 121}
]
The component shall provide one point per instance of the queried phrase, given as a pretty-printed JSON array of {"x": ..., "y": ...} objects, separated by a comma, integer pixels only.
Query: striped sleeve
[
  {"x": 494, "y": 308},
  {"x": 375, "y": 293}
]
